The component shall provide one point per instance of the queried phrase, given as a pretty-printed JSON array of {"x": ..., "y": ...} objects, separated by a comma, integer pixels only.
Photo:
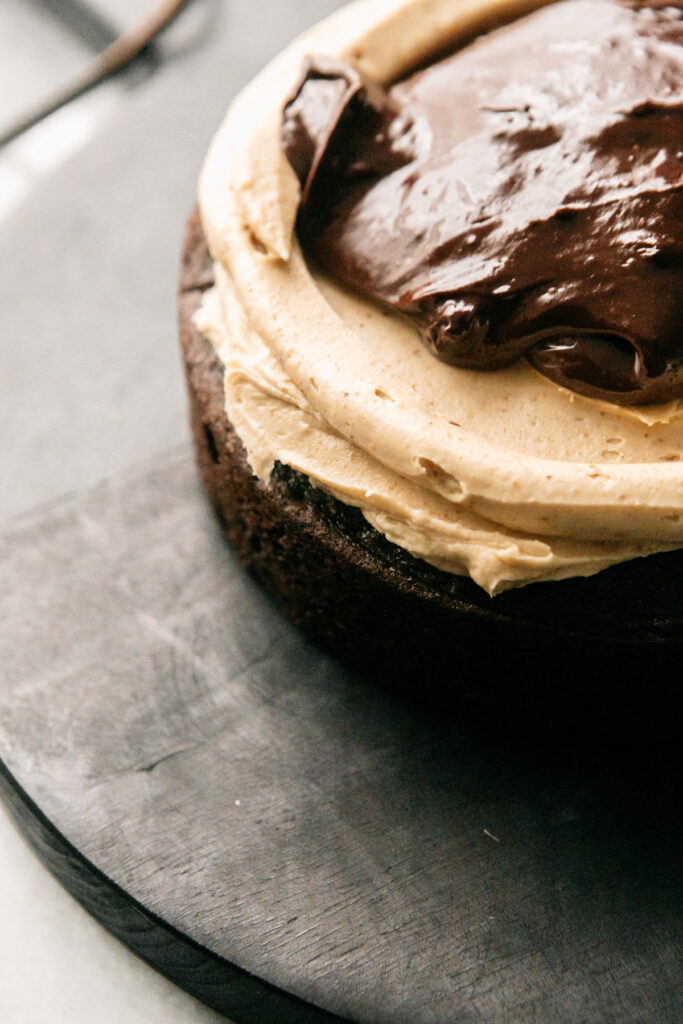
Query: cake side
[{"x": 396, "y": 617}]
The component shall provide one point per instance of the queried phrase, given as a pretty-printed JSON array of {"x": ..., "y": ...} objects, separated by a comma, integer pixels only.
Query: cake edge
[{"x": 375, "y": 606}]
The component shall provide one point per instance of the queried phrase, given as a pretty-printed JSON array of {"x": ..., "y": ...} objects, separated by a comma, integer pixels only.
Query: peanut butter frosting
[{"x": 502, "y": 475}]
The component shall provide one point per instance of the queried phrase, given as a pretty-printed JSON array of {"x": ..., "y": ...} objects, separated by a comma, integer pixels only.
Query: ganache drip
[{"x": 522, "y": 198}]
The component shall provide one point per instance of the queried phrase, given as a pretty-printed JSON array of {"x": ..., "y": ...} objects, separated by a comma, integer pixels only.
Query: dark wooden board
[{"x": 289, "y": 842}]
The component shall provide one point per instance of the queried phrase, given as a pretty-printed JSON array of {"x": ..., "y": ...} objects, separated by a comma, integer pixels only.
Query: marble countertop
[{"x": 91, "y": 221}]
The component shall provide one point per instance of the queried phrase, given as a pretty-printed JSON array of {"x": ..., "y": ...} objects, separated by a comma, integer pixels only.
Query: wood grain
[{"x": 291, "y": 843}]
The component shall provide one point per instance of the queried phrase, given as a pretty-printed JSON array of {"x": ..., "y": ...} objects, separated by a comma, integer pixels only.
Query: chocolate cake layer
[{"x": 610, "y": 637}]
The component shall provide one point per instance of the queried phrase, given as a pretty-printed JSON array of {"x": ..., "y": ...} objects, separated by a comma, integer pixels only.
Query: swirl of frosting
[{"x": 514, "y": 207}]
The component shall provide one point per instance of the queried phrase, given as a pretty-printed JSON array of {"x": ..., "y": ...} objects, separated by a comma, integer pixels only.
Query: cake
[{"x": 504, "y": 530}]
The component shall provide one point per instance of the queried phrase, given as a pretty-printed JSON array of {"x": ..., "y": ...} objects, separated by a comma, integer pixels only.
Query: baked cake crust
[{"x": 397, "y": 617}]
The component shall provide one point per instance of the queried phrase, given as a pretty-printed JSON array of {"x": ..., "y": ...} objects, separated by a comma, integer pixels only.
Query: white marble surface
[
  {"x": 58, "y": 966},
  {"x": 90, "y": 384}
]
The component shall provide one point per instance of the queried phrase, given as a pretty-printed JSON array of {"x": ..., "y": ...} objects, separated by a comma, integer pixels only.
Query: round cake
[{"x": 503, "y": 533}]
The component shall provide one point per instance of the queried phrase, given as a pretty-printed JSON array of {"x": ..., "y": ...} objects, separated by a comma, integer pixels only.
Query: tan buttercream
[{"x": 502, "y": 475}]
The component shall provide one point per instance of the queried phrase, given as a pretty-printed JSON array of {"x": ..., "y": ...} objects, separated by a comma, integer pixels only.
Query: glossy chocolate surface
[{"x": 522, "y": 198}]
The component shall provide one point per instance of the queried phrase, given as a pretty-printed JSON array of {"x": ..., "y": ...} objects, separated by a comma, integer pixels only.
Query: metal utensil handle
[{"x": 107, "y": 63}]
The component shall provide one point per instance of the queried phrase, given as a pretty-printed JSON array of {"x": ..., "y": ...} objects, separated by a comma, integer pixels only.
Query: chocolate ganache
[{"x": 521, "y": 198}]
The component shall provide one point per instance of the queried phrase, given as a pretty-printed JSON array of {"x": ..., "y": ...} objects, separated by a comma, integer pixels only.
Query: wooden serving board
[{"x": 289, "y": 842}]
